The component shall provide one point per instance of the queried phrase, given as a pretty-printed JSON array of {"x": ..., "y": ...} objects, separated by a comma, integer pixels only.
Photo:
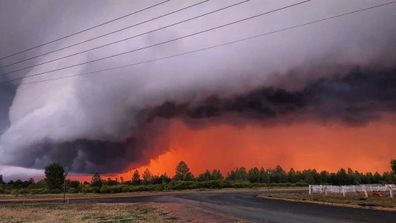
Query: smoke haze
[{"x": 341, "y": 70}]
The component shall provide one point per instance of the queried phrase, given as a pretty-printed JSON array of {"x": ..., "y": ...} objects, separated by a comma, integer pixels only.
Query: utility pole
[{"x": 64, "y": 186}]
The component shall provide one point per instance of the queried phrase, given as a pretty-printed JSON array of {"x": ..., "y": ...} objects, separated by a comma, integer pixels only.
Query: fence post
[
  {"x": 390, "y": 191},
  {"x": 365, "y": 191},
  {"x": 310, "y": 189},
  {"x": 325, "y": 190}
]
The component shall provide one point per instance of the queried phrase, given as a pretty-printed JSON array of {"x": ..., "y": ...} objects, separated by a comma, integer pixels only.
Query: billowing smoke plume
[
  {"x": 356, "y": 98},
  {"x": 342, "y": 70}
]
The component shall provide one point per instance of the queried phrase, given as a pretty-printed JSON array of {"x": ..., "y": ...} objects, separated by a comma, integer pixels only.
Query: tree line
[{"x": 55, "y": 182}]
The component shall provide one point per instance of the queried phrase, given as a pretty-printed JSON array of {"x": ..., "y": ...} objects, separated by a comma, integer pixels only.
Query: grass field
[
  {"x": 83, "y": 213},
  {"x": 49, "y": 208},
  {"x": 374, "y": 200}
]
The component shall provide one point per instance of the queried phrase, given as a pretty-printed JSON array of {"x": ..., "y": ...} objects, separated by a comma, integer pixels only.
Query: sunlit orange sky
[{"x": 299, "y": 145}]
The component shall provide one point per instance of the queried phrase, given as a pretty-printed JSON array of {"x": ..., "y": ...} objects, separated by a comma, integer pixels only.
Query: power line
[
  {"x": 84, "y": 30},
  {"x": 165, "y": 42},
  {"x": 128, "y": 38},
  {"x": 94, "y": 38},
  {"x": 214, "y": 46}
]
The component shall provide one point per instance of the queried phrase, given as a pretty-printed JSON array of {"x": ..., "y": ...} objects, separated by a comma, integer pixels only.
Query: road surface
[{"x": 247, "y": 206}]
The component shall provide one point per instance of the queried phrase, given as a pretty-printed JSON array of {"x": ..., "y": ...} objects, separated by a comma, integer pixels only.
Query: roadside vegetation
[
  {"x": 376, "y": 199},
  {"x": 55, "y": 182}
]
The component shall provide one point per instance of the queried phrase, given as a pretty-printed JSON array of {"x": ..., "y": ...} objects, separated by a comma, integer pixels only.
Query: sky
[{"x": 300, "y": 97}]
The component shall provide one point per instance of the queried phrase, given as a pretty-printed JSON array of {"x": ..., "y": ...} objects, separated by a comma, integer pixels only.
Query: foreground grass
[
  {"x": 82, "y": 213},
  {"x": 374, "y": 200}
]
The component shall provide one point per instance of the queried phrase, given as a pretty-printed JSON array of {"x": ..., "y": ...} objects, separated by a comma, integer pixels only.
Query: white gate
[{"x": 325, "y": 189}]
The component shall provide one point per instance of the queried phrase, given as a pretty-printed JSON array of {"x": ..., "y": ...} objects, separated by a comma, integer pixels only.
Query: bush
[
  {"x": 88, "y": 189},
  {"x": 110, "y": 189},
  {"x": 183, "y": 185},
  {"x": 212, "y": 184},
  {"x": 148, "y": 187},
  {"x": 39, "y": 191},
  {"x": 126, "y": 187},
  {"x": 74, "y": 190}
]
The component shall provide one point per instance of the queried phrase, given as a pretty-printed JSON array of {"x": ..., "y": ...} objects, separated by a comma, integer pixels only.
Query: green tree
[
  {"x": 1, "y": 179},
  {"x": 352, "y": 178},
  {"x": 368, "y": 179},
  {"x": 147, "y": 177},
  {"x": 54, "y": 176},
  {"x": 278, "y": 175},
  {"x": 254, "y": 175},
  {"x": 231, "y": 175},
  {"x": 342, "y": 177},
  {"x": 164, "y": 178},
  {"x": 109, "y": 182},
  {"x": 324, "y": 177},
  {"x": 292, "y": 176},
  {"x": 264, "y": 175},
  {"x": 136, "y": 177},
  {"x": 205, "y": 176},
  {"x": 183, "y": 172},
  {"x": 308, "y": 176},
  {"x": 377, "y": 178},
  {"x": 74, "y": 184},
  {"x": 217, "y": 175},
  {"x": 241, "y": 174},
  {"x": 316, "y": 176},
  {"x": 388, "y": 177},
  {"x": 96, "y": 182},
  {"x": 393, "y": 166}
]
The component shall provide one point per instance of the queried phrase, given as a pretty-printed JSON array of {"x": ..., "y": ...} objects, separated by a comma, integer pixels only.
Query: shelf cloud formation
[{"x": 342, "y": 70}]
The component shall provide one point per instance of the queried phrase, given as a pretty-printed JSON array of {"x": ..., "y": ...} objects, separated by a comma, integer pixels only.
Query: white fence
[{"x": 325, "y": 189}]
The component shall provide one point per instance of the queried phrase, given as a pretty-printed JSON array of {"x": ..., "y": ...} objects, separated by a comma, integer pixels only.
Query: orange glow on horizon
[{"x": 301, "y": 145}]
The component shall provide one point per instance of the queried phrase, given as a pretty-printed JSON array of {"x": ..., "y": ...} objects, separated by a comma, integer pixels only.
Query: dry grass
[
  {"x": 55, "y": 197},
  {"x": 82, "y": 213},
  {"x": 374, "y": 200}
]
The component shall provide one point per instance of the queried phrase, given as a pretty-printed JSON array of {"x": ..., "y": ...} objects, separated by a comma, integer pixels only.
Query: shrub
[{"x": 88, "y": 189}]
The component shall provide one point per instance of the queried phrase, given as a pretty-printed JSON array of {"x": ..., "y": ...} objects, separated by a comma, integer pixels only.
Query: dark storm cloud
[
  {"x": 356, "y": 98},
  {"x": 85, "y": 156},
  {"x": 109, "y": 121}
]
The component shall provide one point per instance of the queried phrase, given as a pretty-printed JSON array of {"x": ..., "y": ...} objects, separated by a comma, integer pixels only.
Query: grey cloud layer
[{"x": 341, "y": 70}]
